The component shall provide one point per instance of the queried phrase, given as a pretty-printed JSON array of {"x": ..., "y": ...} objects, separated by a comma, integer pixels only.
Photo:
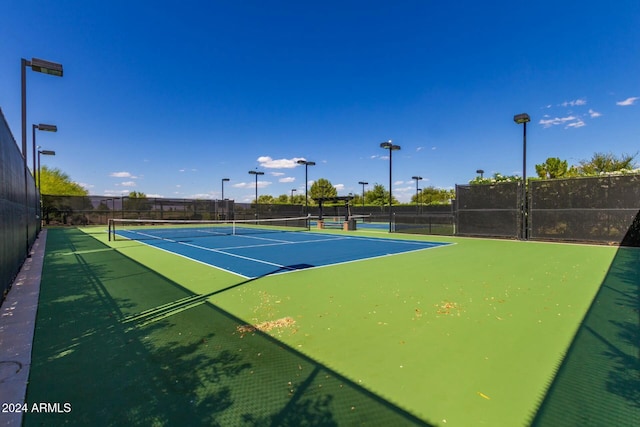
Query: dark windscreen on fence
[
  {"x": 89, "y": 210},
  {"x": 491, "y": 210},
  {"x": 19, "y": 208},
  {"x": 439, "y": 220},
  {"x": 596, "y": 209}
]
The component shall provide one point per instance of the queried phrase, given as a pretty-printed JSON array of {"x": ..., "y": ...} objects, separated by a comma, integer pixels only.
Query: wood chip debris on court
[{"x": 267, "y": 326}]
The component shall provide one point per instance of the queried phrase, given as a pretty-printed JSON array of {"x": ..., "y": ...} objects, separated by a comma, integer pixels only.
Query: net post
[{"x": 109, "y": 228}]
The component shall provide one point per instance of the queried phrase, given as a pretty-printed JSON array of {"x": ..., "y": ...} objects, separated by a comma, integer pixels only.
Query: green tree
[
  {"x": 136, "y": 201},
  {"x": 298, "y": 199},
  {"x": 282, "y": 199},
  {"x": 378, "y": 196},
  {"x": 433, "y": 196},
  {"x": 552, "y": 168},
  {"x": 265, "y": 199},
  {"x": 57, "y": 183},
  {"x": 496, "y": 178},
  {"x": 607, "y": 162},
  {"x": 322, "y": 188}
]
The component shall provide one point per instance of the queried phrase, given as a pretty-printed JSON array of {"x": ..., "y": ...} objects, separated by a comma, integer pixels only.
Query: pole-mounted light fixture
[
  {"x": 223, "y": 181},
  {"x": 42, "y": 127},
  {"x": 306, "y": 183},
  {"x": 417, "y": 178},
  {"x": 256, "y": 173},
  {"x": 40, "y": 66},
  {"x": 388, "y": 145},
  {"x": 363, "y": 183},
  {"x": 523, "y": 119}
]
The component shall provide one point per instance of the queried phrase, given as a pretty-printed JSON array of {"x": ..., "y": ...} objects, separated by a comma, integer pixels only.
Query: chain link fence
[
  {"x": 594, "y": 209},
  {"x": 598, "y": 209}
]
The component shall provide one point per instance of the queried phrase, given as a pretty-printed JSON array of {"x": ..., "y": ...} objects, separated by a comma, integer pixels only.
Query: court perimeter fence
[
  {"x": 602, "y": 210},
  {"x": 19, "y": 208}
]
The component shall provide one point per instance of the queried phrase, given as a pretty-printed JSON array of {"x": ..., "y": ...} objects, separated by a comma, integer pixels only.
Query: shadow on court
[
  {"x": 126, "y": 346},
  {"x": 598, "y": 383}
]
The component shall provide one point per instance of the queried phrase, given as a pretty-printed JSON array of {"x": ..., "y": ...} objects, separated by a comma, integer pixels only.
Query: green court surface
[{"x": 469, "y": 334}]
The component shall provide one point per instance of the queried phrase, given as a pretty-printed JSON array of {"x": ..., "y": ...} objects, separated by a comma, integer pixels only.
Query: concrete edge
[{"x": 17, "y": 328}]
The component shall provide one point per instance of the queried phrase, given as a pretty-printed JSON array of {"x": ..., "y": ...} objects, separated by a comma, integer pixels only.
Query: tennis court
[
  {"x": 478, "y": 332},
  {"x": 257, "y": 251}
]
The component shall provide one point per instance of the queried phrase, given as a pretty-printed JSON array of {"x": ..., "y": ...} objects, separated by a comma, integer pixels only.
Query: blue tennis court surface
[{"x": 260, "y": 254}]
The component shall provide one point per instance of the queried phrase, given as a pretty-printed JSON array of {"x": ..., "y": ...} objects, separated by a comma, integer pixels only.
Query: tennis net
[{"x": 149, "y": 229}]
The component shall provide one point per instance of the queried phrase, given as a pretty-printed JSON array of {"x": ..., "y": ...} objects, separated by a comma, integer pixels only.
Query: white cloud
[
  {"x": 574, "y": 103},
  {"x": 115, "y": 193},
  {"x": 122, "y": 175},
  {"x": 594, "y": 114},
  {"x": 577, "y": 124},
  {"x": 419, "y": 148},
  {"x": 287, "y": 179},
  {"x": 158, "y": 196},
  {"x": 128, "y": 184},
  {"x": 398, "y": 183},
  {"x": 628, "y": 101},
  {"x": 276, "y": 173},
  {"x": 339, "y": 187},
  {"x": 269, "y": 163},
  {"x": 557, "y": 121},
  {"x": 84, "y": 185},
  {"x": 261, "y": 184}
]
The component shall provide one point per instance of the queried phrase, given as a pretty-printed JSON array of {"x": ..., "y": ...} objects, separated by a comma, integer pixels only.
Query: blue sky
[{"x": 167, "y": 98}]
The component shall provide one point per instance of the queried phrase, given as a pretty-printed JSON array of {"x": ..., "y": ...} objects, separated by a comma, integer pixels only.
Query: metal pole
[
  {"x": 33, "y": 141},
  {"x": 390, "y": 195},
  {"x": 23, "y": 86},
  {"x": 417, "y": 204},
  {"x": 306, "y": 188},
  {"x": 524, "y": 183},
  {"x": 39, "y": 187}
]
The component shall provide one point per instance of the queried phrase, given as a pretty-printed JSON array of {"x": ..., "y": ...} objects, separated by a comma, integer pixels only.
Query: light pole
[
  {"x": 388, "y": 145},
  {"x": 417, "y": 178},
  {"x": 222, "y": 198},
  {"x": 363, "y": 183},
  {"x": 481, "y": 172},
  {"x": 223, "y": 181},
  {"x": 292, "y": 190},
  {"x": 44, "y": 153},
  {"x": 46, "y": 128},
  {"x": 523, "y": 119},
  {"x": 256, "y": 173},
  {"x": 40, "y": 66},
  {"x": 306, "y": 183}
]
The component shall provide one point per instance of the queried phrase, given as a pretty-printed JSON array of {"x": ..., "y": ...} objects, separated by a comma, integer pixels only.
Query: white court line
[
  {"x": 234, "y": 255},
  {"x": 362, "y": 259},
  {"x": 279, "y": 244},
  {"x": 290, "y": 270},
  {"x": 193, "y": 259}
]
